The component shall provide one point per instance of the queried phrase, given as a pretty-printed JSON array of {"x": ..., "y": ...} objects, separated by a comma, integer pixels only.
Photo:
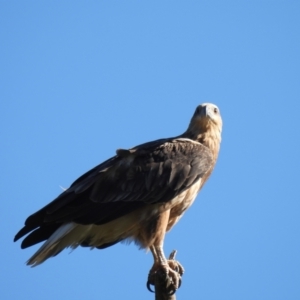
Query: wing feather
[{"x": 150, "y": 173}]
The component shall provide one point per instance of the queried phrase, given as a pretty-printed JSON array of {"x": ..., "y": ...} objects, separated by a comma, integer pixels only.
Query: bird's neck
[
  {"x": 211, "y": 141},
  {"x": 209, "y": 136}
]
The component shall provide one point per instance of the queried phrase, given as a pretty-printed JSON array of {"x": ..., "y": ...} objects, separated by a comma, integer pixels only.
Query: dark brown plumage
[{"x": 138, "y": 195}]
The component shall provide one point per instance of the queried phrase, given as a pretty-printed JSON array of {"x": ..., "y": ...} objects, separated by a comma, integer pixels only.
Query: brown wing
[{"x": 150, "y": 173}]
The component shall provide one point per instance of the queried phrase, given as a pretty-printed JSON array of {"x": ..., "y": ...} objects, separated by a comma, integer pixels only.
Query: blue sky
[{"x": 80, "y": 79}]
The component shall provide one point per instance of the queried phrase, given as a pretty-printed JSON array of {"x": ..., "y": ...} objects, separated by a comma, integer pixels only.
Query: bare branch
[{"x": 162, "y": 286}]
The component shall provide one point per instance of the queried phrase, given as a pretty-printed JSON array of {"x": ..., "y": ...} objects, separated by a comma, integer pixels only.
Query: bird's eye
[{"x": 215, "y": 110}]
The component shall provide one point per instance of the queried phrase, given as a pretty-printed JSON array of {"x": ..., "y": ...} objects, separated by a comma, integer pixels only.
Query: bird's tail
[
  {"x": 94, "y": 236},
  {"x": 62, "y": 238}
]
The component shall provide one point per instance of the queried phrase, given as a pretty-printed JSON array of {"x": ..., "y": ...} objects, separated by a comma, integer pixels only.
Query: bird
[{"x": 137, "y": 195}]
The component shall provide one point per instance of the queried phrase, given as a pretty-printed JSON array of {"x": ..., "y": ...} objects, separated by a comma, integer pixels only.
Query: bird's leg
[{"x": 170, "y": 267}]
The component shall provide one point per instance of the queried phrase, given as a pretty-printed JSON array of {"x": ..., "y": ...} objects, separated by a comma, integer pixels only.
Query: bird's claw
[
  {"x": 149, "y": 283},
  {"x": 171, "y": 272}
]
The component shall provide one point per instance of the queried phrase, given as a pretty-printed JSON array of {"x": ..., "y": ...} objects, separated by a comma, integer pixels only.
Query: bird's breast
[{"x": 182, "y": 202}]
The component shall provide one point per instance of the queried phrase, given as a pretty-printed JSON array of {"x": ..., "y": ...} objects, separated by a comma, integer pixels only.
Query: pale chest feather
[{"x": 182, "y": 202}]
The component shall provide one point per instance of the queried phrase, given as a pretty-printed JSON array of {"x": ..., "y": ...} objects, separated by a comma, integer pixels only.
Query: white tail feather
[
  {"x": 53, "y": 245},
  {"x": 72, "y": 235}
]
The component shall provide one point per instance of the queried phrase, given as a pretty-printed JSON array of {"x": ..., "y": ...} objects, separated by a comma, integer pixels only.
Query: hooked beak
[{"x": 206, "y": 112}]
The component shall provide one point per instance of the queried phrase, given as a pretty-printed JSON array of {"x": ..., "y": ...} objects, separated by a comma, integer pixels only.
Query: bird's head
[
  {"x": 206, "y": 123},
  {"x": 207, "y": 115}
]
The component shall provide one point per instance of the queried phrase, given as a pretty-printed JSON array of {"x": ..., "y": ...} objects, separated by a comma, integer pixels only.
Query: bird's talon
[
  {"x": 171, "y": 271},
  {"x": 149, "y": 287},
  {"x": 172, "y": 292}
]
